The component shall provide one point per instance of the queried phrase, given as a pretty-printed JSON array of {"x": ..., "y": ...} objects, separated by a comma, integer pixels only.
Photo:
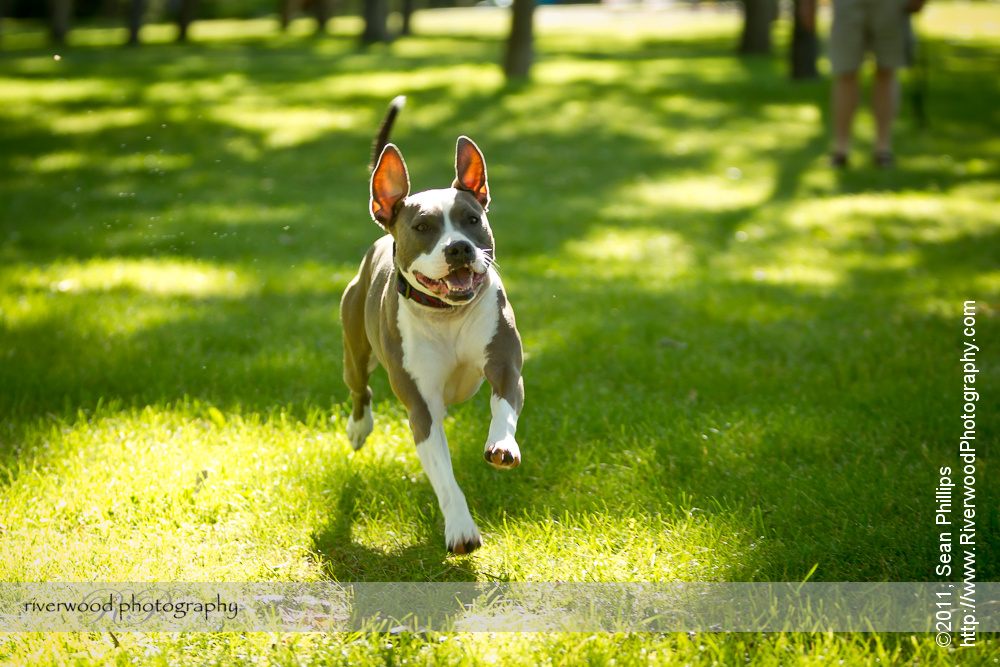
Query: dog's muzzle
[{"x": 461, "y": 284}]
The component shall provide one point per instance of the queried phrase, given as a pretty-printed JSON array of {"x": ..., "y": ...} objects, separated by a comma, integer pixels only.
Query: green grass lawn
[{"x": 741, "y": 365}]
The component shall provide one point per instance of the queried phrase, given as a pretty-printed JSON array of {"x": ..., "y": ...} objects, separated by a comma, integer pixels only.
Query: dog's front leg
[
  {"x": 427, "y": 423},
  {"x": 501, "y": 448},
  {"x": 503, "y": 372},
  {"x": 460, "y": 531}
]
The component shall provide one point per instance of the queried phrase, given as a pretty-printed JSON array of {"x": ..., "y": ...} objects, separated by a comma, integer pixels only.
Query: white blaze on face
[{"x": 434, "y": 263}]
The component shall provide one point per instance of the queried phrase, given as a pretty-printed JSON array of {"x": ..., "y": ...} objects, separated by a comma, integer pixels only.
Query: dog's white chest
[{"x": 446, "y": 355}]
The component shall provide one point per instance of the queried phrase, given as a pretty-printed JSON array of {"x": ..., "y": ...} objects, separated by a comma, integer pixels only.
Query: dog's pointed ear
[
  {"x": 470, "y": 171},
  {"x": 390, "y": 185}
]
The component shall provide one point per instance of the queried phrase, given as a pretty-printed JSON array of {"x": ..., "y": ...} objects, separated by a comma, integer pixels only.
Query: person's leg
[
  {"x": 885, "y": 102},
  {"x": 846, "y": 93},
  {"x": 847, "y": 50},
  {"x": 890, "y": 32}
]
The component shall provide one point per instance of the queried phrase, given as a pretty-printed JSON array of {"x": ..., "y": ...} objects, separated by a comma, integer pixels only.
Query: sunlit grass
[
  {"x": 506, "y": 648},
  {"x": 739, "y": 362},
  {"x": 159, "y": 278}
]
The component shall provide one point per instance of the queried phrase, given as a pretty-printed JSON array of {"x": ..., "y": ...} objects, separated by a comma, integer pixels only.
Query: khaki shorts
[{"x": 859, "y": 26}]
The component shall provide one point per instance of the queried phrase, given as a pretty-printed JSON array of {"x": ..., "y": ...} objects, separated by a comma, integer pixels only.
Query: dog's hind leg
[{"x": 359, "y": 362}]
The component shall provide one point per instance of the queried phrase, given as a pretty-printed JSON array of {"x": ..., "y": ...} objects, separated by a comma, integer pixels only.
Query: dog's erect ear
[
  {"x": 390, "y": 185},
  {"x": 470, "y": 171}
]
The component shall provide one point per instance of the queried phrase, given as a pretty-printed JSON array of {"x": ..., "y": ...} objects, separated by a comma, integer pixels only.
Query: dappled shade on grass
[{"x": 739, "y": 362}]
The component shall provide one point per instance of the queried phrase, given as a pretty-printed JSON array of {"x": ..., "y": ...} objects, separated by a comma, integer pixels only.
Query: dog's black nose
[{"x": 460, "y": 253}]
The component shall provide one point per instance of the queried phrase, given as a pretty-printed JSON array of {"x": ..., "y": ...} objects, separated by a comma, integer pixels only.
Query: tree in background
[
  {"x": 136, "y": 11},
  {"x": 407, "y": 10},
  {"x": 60, "y": 16},
  {"x": 758, "y": 15},
  {"x": 520, "y": 44},
  {"x": 288, "y": 10},
  {"x": 376, "y": 14},
  {"x": 185, "y": 14},
  {"x": 805, "y": 44},
  {"x": 324, "y": 12}
]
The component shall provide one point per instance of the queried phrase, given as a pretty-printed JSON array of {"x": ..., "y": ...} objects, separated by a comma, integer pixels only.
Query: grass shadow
[
  {"x": 343, "y": 557},
  {"x": 778, "y": 397}
]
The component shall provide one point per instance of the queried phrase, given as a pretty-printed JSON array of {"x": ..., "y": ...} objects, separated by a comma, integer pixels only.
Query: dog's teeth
[{"x": 460, "y": 280}]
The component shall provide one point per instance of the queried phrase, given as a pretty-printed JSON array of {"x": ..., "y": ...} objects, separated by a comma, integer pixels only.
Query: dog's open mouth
[{"x": 460, "y": 284}]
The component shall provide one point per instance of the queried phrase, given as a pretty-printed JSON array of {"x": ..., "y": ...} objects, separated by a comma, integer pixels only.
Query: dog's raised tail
[{"x": 385, "y": 129}]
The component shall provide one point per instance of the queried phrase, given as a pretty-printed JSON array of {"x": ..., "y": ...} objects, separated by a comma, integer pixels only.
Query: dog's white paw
[
  {"x": 358, "y": 431},
  {"x": 503, "y": 454},
  {"x": 461, "y": 534}
]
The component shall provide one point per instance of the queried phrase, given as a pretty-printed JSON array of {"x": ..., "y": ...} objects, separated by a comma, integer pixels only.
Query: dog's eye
[
  {"x": 474, "y": 220},
  {"x": 421, "y": 227}
]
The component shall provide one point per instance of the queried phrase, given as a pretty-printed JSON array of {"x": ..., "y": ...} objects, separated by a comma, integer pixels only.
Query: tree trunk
[
  {"x": 407, "y": 8},
  {"x": 323, "y": 13},
  {"x": 184, "y": 17},
  {"x": 288, "y": 10},
  {"x": 805, "y": 50},
  {"x": 520, "y": 45},
  {"x": 135, "y": 16},
  {"x": 60, "y": 16},
  {"x": 757, "y": 18},
  {"x": 376, "y": 19}
]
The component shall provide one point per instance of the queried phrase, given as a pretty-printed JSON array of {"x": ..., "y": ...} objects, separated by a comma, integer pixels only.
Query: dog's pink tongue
[{"x": 460, "y": 280}]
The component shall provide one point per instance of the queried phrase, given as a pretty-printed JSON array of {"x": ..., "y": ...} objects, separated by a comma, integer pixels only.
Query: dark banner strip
[{"x": 500, "y": 607}]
